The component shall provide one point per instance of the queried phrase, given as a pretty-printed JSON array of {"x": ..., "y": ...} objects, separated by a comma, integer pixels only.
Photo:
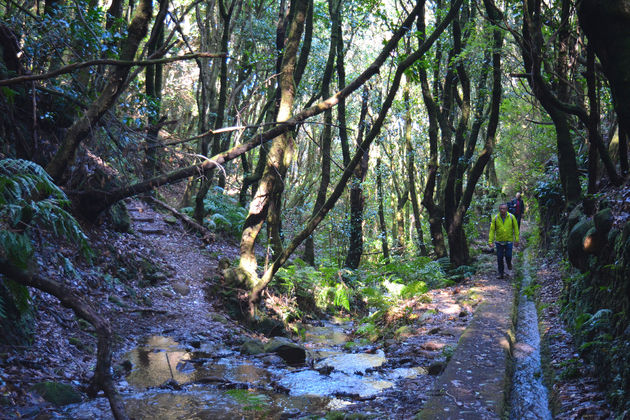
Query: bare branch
[{"x": 106, "y": 62}]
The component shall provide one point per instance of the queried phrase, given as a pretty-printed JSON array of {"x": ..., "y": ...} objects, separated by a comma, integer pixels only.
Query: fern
[{"x": 29, "y": 199}]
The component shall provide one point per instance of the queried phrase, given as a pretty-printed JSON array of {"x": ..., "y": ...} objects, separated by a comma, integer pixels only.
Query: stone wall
[{"x": 597, "y": 296}]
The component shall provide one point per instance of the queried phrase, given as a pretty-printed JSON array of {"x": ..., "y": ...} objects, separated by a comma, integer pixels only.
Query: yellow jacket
[{"x": 506, "y": 231}]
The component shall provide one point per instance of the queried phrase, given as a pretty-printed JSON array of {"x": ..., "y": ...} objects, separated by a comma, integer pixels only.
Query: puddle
[
  {"x": 353, "y": 362},
  {"x": 169, "y": 380},
  {"x": 309, "y": 382}
]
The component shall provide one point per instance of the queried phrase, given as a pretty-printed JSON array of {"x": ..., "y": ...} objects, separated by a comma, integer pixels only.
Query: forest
[{"x": 281, "y": 209}]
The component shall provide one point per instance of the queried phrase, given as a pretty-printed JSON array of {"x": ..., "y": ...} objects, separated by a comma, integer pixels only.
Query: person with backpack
[
  {"x": 517, "y": 208},
  {"x": 503, "y": 231}
]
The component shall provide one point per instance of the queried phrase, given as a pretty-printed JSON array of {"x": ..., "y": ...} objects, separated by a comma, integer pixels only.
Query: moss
[{"x": 57, "y": 393}]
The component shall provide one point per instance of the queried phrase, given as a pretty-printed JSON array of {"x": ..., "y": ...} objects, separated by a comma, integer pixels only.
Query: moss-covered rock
[
  {"x": 57, "y": 393},
  {"x": 252, "y": 346},
  {"x": 119, "y": 217},
  {"x": 292, "y": 353},
  {"x": 603, "y": 221},
  {"x": 575, "y": 244}
]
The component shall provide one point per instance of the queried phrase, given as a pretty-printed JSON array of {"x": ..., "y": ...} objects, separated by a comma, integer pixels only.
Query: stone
[
  {"x": 181, "y": 288},
  {"x": 292, "y": 353},
  {"x": 57, "y": 393},
  {"x": 405, "y": 331},
  {"x": 252, "y": 346},
  {"x": 575, "y": 216},
  {"x": 119, "y": 217},
  {"x": 170, "y": 220},
  {"x": 436, "y": 368},
  {"x": 432, "y": 345}
]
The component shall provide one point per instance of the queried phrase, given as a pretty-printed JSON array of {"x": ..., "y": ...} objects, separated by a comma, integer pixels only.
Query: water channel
[{"x": 529, "y": 396}]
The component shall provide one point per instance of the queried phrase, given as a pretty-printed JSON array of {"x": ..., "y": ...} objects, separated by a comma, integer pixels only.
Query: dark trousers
[
  {"x": 503, "y": 251},
  {"x": 518, "y": 219}
]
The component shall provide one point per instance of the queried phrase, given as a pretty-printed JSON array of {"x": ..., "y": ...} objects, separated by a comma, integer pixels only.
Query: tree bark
[
  {"x": 326, "y": 139},
  {"x": 411, "y": 175},
  {"x": 607, "y": 26},
  {"x": 357, "y": 200},
  {"x": 381, "y": 212},
  {"x": 281, "y": 152}
]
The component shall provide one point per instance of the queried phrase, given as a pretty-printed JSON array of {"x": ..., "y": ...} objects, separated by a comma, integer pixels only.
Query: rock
[
  {"x": 57, "y": 393},
  {"x": 434, "y": 330},
  {"x": 167, "y": 294},
  {"x": 181, "y": 288},
  {"x": 436, "y": 368},
  {"x": 270, "y": 327},
  {"x": 574, "y": 216},
  {"x": 217, "y": 317},
  {"x": 119, "y": 217},
  {"x": 405, "y": 331},
  {"x": 603, "y": 221},
  {"x": 252, "y": 346},
  {"x": 593, "y": 242},
  {"x": 432, "y": 345},
  {"x": 292, "y": 353},
  {"x": 272, "y": 360},
  {"x": 170, "y": 219},
  {"x": 463, "y": 314}
]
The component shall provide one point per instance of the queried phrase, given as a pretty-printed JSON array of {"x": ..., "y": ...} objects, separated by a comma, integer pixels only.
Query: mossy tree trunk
[
  {"x": 357, "y": 200},
  {"x": 281, "y": 152}
]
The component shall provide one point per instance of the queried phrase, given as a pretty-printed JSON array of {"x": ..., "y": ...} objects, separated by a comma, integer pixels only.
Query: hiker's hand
[{"x": 516, "y": 243}]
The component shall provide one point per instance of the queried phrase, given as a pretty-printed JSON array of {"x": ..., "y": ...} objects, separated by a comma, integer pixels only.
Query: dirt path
[{"x": 177, "y": 302}]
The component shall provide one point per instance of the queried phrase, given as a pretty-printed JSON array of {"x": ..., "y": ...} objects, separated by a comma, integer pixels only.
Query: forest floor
[{"x": 178, "y": 302}]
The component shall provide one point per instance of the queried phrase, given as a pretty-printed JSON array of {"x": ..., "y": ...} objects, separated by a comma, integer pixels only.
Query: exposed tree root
[{"x": 69, "y": 298}]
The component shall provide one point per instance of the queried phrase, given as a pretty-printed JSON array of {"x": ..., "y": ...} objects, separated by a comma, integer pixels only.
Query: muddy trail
[{"x": 179, "y": 356}]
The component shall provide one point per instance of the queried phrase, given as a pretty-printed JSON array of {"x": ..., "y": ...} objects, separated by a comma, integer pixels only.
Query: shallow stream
[{"x": 166, "y": 379}]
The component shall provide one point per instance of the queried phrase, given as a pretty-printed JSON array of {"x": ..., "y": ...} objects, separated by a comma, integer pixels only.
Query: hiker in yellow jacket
[{"x": 503, "y": 230}]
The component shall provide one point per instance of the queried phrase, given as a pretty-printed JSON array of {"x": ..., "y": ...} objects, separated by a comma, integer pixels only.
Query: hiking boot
[
  {"x": 501, "y": 276},
  {"x": 509, "y": 265}
]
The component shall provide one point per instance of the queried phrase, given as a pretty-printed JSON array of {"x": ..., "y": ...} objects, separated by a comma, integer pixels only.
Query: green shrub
[{"x": 30, "y": 200}]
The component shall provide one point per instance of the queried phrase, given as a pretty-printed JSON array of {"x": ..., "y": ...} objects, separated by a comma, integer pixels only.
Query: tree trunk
[
  {"x": 532, "y": 59},
  {"x": 623, "y": 152},
  {"x": 411, "y": 174},
  {"x": 117, "y": 78},
  {"x": 153, "y": 89},
  {"x": 381, "y": 213},
  {"x": 607, "y": 26},
  {"x": 326, "y": 139},
  {"x": 435, "y": 213},
  {"x": 226, "y": 18},
  {"x": 458, "y": 247},
  {"x": 357, "y": 200},
  {"x": 281, "y": 153}
]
